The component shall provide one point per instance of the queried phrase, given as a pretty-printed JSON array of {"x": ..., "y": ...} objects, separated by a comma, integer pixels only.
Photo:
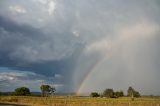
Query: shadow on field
[{"x": 7, "y": 104}]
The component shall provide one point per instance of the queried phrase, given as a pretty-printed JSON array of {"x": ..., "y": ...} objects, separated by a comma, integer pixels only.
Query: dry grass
[{"x": 79, "y": 101}]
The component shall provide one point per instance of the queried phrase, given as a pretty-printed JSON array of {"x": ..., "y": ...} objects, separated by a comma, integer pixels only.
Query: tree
[
  {"x": 108, "y": 93},
  {"x": 22, "y": 91},
  {"x": 47, "y": 90},
  {"x": 119, "y": 94},
  {"x": 52, "y": 90},
  {"x": 94, "y": 94},
  {"x": 133, "y": 93},
  {"x": 137, "y": 94},
  {"x": 130, "y": 91}
]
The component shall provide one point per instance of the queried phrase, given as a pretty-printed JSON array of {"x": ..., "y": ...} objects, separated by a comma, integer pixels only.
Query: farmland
[{"x": 79, "y": 101}]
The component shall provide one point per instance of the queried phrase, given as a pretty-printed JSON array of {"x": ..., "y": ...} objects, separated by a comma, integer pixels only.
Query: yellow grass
[{"x": 79, "y": 101}]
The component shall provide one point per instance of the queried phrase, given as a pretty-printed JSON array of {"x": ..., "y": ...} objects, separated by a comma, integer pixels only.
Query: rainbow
[{"x": 92, "y": 70}]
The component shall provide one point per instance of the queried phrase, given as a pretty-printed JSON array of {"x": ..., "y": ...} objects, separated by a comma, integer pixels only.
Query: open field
[
  {"x": 79, "y": 101},
  {"x": 9, "y": 104}
]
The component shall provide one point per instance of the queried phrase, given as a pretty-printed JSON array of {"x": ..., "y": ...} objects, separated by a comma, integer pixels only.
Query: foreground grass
[{"x": 79, "y": 101}]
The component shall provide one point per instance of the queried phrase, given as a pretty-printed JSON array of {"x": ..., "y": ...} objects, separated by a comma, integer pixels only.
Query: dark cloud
[
  {"x": 15, "y": 39},
  {"x": 71, "y": 38}
]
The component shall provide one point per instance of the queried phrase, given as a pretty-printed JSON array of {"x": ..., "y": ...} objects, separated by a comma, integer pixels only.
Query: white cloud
[
  {"x": 51, "y": 7},
  {"x": 138, "y": 31},
  {"x": 18, "y": 9},
  {"x": 58, "y": 76},
  {"x": 14, "y": 74},
  {"x": 16, "y": 79},
  {"x": 6, "y": 77},
  {"x": 126, "y": 34},
  {"x": 42, "y": 1},
  {"x": 58, "y": 85},
  {"x": 47, "y": 5},
  {"x": 99, "y": 46},
  {"x": 76, "y": 33}
]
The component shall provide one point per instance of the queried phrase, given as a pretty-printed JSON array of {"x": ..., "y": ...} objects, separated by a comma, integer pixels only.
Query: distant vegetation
[
  {"x": 133, "y": 93},
  {"x": 106, "y": 98},
  {"x": 94, "y": 94},
  {"x": 47, "y": 90},
  {"x": 22, "y": 91},
  {"x": 109, "y": 92}
]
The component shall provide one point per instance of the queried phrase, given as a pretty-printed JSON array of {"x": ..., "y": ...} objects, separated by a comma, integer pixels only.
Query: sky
[{"x": 80, "y": 45}]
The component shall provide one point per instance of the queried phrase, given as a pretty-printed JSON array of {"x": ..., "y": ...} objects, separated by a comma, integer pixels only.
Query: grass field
[{"x": 79, "y": 101}]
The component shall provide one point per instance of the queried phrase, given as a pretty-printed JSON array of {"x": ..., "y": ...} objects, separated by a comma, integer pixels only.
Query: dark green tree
[
  {"x": 137, "y": 94},
  {"x": 116, "y": 94},
  {"x": 47, "y": 90},
  {"x": 132, "y": 93},
  {"x": 22, "y": 91},
  {"x": 94, "y": 94},
  {"x": 108, "y": 93},
  {"x": 119, "y": 94}
]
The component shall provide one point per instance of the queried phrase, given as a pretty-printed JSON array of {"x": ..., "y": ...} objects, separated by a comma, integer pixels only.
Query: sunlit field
[{"x": 80, "y": 101}]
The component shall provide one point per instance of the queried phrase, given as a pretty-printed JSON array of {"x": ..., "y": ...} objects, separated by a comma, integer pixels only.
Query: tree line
[
  {"x": 131, "y": 92},
  {"x": 46, "y": 90}
]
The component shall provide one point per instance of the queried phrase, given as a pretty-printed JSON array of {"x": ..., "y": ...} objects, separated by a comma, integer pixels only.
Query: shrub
[
  {"x": 22, "y": 91},
  {"x": 108, "y": 93},
  {"x": 94, "y": 94}
]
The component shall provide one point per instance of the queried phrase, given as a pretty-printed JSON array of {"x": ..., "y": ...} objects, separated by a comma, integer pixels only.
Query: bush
[
  {"x": 108, "y": 93},
  {"x": 119, "y": 94},
  {"x": 137, "y": 94},
  {"x": 132, "y": 92},
  {"x": 94, "y": 94},
  {"x": 47, "y": 90},
  {"x": 22, "y": 91}
]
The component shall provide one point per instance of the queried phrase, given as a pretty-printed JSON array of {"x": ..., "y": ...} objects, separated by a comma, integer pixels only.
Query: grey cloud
[
  {"x": 22, "y": 41},
  {"x": 76, "y": 35},
  {"x": 14, "y": 79},
  {"x": 27, "y": 48}
]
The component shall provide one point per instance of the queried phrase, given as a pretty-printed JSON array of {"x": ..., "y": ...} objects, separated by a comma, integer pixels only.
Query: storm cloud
[{"x": 111, "y": 43}]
